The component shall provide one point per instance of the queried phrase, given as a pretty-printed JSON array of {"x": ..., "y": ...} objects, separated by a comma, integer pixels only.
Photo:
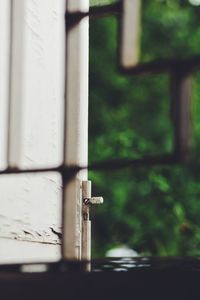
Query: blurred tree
[{"x": 154, "y": 210}]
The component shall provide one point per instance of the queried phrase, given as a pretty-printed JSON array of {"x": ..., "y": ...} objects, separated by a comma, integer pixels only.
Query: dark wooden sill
[{"x": 161, "y": 279}]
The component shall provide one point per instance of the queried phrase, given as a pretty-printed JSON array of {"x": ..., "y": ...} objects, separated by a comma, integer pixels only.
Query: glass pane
[
  {"x": 154, "y": 210},
  {"x": 133, "y": 116},
  {"x": 169, "y": 29}
]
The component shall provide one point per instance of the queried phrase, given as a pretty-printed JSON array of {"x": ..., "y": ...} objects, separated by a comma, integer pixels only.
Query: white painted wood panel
[
  {"x": 30, "y": 210},
  {"x": 4, "y": 76},
  {"x": 30, "y": 205},
  {"x": 37, "y": 85},
  {"x": 130, "y": 33},
  {"x": 13, "y": 251},
  {"x": 76, "y": 147}
]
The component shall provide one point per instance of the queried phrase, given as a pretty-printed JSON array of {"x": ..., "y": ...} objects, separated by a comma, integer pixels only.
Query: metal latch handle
[{"x": 86, "y": 194}]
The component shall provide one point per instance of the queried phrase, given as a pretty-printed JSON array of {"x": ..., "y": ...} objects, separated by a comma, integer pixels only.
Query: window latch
[{"x": 86, "y": 194}]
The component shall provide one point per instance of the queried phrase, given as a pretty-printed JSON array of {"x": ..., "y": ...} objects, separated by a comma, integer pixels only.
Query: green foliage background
[{"x": 154, "y": 210}]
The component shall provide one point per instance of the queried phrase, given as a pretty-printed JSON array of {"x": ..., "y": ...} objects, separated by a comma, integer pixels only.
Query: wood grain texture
[
  {"x": 30, "y": 211},
  {"x": 30, "y": 205},
  {"x": 76, "y": 130},
  {"x": 130, "y": 33},
  {"x": 37, "y": 83},
  {"x": 15, "y": 251},
  {"x": 5, "y": 6}
]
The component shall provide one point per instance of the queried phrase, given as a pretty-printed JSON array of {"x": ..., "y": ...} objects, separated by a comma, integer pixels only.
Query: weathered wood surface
[
  {"x": 30, "y": 211},
  {"x": 4, "y": 76},
  {"x": 37, "y": 83},
  {"x": 76, "y": 131},
  {"x": 130, "y": 33},
  {"x": 181, "y": 90},
  {"x": 30, "y": 205},
  {"x": 13, "y": 251}
]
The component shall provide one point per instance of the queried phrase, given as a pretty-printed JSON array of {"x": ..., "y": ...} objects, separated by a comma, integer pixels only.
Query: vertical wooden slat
[
  {"x": 37, "y": 83},
  {"x": 130, "y": 33},
  {"x": 76, "y": 128},
  {"x": 181, "y": 89},
  {"x": 17, "y": 78},
  {"x": 5, "y": 39}
]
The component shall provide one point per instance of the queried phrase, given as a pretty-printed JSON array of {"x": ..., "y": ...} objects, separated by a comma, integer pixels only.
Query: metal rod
[
  {"x": 69, "y": 172},
  {"x": 73, "y": 18},
  {"x": 118, "y": 164},
  {"x": 99, "y": 11},
  {"x": 163, "y": 66}
]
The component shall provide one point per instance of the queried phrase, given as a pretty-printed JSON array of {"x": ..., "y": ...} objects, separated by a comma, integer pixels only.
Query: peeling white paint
[
  {"x": 30, "y": 208},
  {"x": 30, "y": 205}
]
